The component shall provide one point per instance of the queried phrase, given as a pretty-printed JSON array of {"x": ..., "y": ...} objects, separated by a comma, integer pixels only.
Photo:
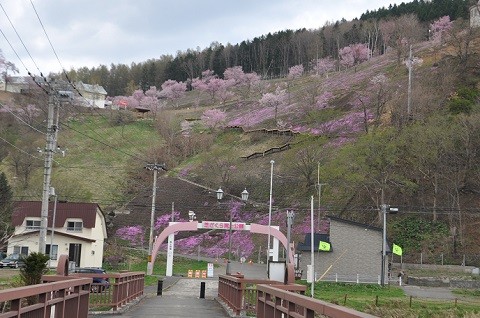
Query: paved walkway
[{"x": 181, "y": 296}]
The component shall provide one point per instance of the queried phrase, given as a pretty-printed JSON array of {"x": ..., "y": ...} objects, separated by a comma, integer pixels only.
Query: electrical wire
[
  {"x": 51, "y": 45},
  {"x": 20, "y": 119},
  {"x": 23, "y": 43},
  {"x": 21, "y": 150}
]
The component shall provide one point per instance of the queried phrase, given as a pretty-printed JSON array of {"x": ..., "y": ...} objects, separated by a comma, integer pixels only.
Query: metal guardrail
[{"x": 68, "y": 298}]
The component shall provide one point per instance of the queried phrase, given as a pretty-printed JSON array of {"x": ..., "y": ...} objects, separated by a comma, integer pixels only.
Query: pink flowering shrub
[{"x": 133, "y": 234}]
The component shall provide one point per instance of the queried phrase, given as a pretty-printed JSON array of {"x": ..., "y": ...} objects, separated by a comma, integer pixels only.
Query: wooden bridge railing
[{"x": 63, "y": 299}]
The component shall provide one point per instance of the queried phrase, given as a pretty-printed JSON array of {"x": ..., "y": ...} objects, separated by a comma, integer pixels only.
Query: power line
[
  {"x": 20, "y": 119},
  {"x": 48, "y": 38},
  {"x": 21, "y": 150},
  {"x": 19, "y": 37}
]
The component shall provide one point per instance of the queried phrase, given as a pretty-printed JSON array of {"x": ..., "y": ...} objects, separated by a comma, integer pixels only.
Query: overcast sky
[{"x": 93, "y": 32}]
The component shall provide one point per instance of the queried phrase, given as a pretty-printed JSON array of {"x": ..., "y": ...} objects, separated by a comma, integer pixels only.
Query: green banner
[
  {"x": 397, "y": 250},
  {"x": 324, "y": 246}
]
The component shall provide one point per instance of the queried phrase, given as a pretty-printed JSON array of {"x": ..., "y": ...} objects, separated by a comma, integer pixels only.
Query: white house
[
  {"x": 79, "y": 231},
  {"x": 93, "y": 95}
]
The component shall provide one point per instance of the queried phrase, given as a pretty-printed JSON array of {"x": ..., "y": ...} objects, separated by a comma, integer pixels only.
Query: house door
[{"x": 74, "y": 253}]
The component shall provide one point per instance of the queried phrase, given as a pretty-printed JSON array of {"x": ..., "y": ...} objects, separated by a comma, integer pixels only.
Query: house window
[
  {"x": 54, "y": 251},
  {"x": 33, "y": 224},
  {"x": 23, "y": 250},
  {"x": 74, "y": 226}
]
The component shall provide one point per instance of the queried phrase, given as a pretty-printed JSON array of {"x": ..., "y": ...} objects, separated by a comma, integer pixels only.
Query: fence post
[
  {"x": 421, "y": 260},
  {"x": 358, "y": 278},
  {"x": 442, "y": 258},
  {"x": 336, "y": 277}
]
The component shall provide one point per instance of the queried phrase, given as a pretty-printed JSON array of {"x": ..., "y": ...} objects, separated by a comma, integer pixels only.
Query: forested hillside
[{"x": 271, "y": 55}]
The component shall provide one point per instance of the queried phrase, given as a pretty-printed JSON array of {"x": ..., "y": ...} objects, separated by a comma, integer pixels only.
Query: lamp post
[
  {"x": 220, "y": 197},
  {"x": 270, "y": 216},
  {"x": 191, "y": 216}
]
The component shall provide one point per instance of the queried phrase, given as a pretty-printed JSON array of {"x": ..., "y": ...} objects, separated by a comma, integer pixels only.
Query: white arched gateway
[{"x": 214, "y": 225}]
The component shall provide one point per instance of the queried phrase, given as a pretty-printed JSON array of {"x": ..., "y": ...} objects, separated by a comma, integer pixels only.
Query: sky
[{"x": 101, "y": 32}]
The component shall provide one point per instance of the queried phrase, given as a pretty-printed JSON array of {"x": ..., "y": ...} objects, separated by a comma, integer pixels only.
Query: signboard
[
  {"x": 224, "y": 225},
  {"x": 210, "y": 270}
]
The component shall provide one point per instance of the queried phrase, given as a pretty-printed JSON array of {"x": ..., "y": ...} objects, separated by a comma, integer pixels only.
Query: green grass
[
  {"x": 138, "y": 263},
  {"x": 391, "y": 301},
  {"x": 108, "y": 166}
]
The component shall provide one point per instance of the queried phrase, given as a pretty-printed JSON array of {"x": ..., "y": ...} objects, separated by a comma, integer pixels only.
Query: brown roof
[{"x": 84, "y": 211}]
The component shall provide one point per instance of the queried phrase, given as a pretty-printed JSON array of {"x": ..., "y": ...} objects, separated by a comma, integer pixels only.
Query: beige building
[
  {"x": 92, "y": 95},
  {"x": 79, "y": 232},
  {"x": 355, "y": 255}
]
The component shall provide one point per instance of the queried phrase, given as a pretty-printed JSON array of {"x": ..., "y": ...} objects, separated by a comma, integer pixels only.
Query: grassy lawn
[
  {"x": 138, "y": 263},
  {"x": 391, "y": 301}
]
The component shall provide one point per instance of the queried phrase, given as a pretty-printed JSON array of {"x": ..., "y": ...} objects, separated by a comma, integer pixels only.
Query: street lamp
[
  {"x": 244, "y": 195},
  {"x": 219, "y": 194}
]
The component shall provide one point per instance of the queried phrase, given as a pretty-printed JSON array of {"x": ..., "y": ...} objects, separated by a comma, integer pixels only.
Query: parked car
[
  {"x": 99, "y": 284},
  {"x": 12, "y": 261}
]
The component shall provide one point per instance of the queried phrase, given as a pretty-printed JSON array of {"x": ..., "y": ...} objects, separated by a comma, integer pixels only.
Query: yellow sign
[
  {"x": 397, "y": 250},
  {"x": 324, "y": 246}
]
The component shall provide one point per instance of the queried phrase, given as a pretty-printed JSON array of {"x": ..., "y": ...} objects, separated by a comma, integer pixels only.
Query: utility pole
[
  {"x": 409, "y": 96},
  {"x": 319, "y": 196},
  {"x": 155, "y": 167},
  {"x": 385, "y": 209},
  {"x": 50, "y": 148},
  {"x": 51, "y": 130}
]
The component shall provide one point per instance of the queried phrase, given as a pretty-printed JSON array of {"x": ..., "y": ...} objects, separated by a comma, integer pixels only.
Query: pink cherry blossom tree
[
  {"x": 173, "y": 90},
  {"x": 245, "y": 82},
  {"x": 214, "y": 118},
  {"x": 295, "y": 71},
  {"x": 440, "y": 29},
  {"x": 323, "y": 66},
  {"x": 276, "y": 99},
  {"x": 214, "y": 86},
  {"x": 234, "y": 73},
  {"x": 354, "y": 54}
]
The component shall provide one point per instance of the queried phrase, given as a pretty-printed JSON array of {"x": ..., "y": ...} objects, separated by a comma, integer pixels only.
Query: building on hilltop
[{"x": 94, "y": 95}]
